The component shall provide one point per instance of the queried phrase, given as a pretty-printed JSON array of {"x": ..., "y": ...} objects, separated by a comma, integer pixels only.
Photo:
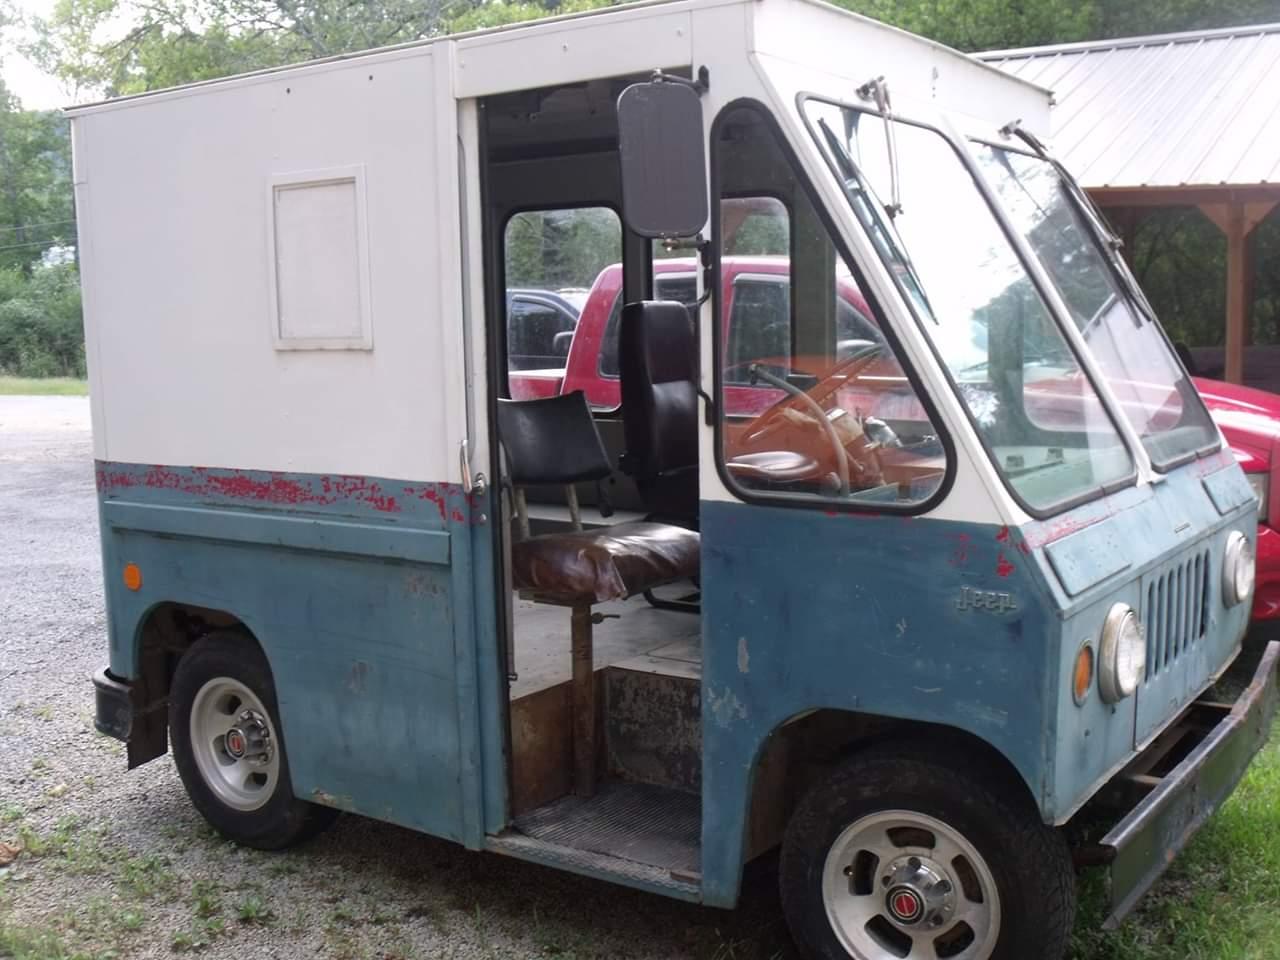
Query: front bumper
[{"x": 1142, "y": 845}]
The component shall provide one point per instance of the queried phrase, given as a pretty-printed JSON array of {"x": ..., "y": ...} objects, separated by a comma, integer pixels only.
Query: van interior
[{"x": 600, "y": 484}]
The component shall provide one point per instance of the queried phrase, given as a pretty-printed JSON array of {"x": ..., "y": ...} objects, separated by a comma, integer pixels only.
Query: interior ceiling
[{"x": 575, "y": 118}]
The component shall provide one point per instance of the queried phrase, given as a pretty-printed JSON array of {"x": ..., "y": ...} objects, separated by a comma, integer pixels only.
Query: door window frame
[{"x": 878, "y": 315}]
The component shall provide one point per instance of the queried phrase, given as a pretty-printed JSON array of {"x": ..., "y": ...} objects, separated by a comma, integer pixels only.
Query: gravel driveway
[{"x": 116, "y": 864}]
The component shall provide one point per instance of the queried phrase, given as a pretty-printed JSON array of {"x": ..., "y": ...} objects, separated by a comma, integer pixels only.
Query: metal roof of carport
[{"x": 1171, "y": 110}]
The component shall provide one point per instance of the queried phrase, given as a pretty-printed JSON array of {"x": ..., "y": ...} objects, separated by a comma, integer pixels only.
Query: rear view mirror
[{"x": 664, "y": 169}]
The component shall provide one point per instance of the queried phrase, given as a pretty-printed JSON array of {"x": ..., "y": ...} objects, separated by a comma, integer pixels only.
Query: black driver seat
[{"x": 657, "y": 357}]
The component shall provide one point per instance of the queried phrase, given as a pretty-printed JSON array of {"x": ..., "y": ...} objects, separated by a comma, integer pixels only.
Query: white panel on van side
[
  {"x": 319, "y": 261},
  {"x": 181, "y": 243}
]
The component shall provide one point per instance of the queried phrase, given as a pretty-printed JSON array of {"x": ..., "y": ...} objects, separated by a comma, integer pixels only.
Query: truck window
[
  {"x": 534, "y": 326},
  {"x": 552, "y": 258},
  {"x": 814, "y": 403}
]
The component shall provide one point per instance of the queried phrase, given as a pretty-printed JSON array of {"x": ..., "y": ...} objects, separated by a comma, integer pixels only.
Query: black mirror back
[{"x": 664, "y": 169}]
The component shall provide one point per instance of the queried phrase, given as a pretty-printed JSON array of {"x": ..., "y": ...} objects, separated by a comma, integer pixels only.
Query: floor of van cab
[{"x": 655, "y": 826}]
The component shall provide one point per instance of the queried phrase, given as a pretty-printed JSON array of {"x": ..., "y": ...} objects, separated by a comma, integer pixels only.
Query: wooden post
[
  {"x": 1237, "y": 217},
  {"x": 584, "y": 703},
  {"x": 1237, "y": 267}
]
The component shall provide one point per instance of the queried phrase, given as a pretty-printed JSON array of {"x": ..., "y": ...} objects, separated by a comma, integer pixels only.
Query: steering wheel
[{"x": 823, "y": 388}]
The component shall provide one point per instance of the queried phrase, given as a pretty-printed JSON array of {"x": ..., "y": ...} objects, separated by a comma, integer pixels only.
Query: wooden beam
[
  {"x": 1255, "y": 211},
  {"x": 1182, "y": 196},
  {"x": 1237, "y": 269}
]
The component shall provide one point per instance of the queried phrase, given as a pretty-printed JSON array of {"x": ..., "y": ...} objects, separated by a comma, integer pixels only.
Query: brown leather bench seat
[{"x": 605, "y": 563}]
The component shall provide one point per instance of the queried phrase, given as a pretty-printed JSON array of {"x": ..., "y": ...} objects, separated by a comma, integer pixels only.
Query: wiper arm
[
  {"x": 878, "y": 91},
  {"x": 867, "y": 215},
  {"x": 1102, "y": 234}
]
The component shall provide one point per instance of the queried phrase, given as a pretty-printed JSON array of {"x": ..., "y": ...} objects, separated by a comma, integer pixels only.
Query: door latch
[{"x": 470, "y": 485}]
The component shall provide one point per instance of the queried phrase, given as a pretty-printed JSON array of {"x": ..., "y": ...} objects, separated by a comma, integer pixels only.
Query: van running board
[
  {"x": 641, "y": 876},
  {"x": 637, "y": 834}
]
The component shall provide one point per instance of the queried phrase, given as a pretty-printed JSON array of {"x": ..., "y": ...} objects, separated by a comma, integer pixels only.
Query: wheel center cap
[
  {"x": 236, "y": 743},
  {"x": 905, "y": 905}
]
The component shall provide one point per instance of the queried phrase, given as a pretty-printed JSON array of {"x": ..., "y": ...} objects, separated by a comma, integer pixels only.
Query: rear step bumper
[{"x": 1142, "y": 845}]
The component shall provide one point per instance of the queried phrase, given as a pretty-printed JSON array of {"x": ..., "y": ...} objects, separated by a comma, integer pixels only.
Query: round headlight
[
  {"x": 1237, "y": 569},
  {"x": 1122, "y": 654}
]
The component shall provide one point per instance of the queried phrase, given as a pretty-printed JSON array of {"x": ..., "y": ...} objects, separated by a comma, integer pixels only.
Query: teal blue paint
[
  {"x": 866, "y": 614},
  {"x": 1088, "y": 558},
  {"x": 373, "y": 665},
  {"x": 491, "y": 671},
  {"x": 1228, "y": 489},
  {"x": 299, "y": 533}
]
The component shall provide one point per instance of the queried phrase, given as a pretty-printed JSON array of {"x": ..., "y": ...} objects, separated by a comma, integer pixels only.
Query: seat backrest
[
  {"x": 552, "y": 440},
  {"x": 657, "y": 354}
]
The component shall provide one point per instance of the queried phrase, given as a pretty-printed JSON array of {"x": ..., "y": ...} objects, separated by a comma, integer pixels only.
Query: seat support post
[{"x": 584, "y": 702}]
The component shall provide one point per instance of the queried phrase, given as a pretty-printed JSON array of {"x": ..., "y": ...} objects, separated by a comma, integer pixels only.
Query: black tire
[
  {"x": 1028, "y": 861},
  {"x": 283, "y": 820}
]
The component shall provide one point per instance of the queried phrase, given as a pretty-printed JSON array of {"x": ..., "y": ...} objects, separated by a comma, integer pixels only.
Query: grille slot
[{"x": 1177, "y": 608}]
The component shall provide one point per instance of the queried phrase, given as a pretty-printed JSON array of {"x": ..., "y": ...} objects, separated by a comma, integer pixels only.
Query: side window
[
  {"x": 678, "y": 284},
  {"x": 534, "y": 328},
  {"x": 814, "y": 403},
  {"x": 552, "y": 260}
]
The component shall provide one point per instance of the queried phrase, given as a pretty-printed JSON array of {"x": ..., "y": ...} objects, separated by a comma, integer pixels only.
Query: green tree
[{"x": 35, "y": 183}]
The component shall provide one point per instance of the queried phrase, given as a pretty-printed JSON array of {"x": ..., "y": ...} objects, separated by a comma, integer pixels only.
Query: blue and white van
[{"x": 962, "y": 585}]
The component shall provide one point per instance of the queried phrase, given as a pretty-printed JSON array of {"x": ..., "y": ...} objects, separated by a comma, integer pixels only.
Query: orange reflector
[
  {"x": 1083, "y": 678},
  {"x": 132, "y": 576}
]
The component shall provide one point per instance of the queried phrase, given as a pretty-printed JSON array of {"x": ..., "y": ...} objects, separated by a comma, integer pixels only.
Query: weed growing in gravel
[
  {"x": 198, "y": 936},
  {"x": 253, "y": 909},
  {"x": 45, "y": 713},
  {"x": 205, "y": 898},
  {"x": 11, "y": 812}
]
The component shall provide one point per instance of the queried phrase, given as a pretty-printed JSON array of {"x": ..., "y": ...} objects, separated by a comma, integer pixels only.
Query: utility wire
[
  {"x": 32, "y": 226},
  {"x": 37, "y": 243}
]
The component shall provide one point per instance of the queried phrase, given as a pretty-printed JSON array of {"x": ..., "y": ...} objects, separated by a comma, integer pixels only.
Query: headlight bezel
[
  {"x": 1239, "y": 569},
  {"x": 1122, "y": 636}
]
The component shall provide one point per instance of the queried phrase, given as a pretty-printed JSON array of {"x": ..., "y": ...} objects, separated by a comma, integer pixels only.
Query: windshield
[
  {"x": 1154, "y": 393},
  {"x": 1035, "y": 410}
]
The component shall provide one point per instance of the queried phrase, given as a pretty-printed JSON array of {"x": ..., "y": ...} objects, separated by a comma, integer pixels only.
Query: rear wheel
[
  {"x": 904, "y": 854},
  {"x": 228, "y": 749}
]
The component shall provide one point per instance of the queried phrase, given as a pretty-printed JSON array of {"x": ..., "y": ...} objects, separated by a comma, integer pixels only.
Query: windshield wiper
[
  {"x": 856, "y": 185},
  {"x": 1093, "y": 218}
]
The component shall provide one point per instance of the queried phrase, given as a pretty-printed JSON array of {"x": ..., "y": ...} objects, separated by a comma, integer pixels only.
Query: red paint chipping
[
  {"x": 959, "y": 555},
  {"x": 210, "y": 484},
  {"x": 1002, "y": 536},
  {"x": 1003, "y": 566}
]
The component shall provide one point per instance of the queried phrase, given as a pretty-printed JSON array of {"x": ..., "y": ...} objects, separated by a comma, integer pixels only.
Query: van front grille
[{"x": 1177, "y": 612}]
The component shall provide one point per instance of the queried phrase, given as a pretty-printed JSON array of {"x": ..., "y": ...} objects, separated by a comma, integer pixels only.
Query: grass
[
  {"x": 1220, "y": 900},
  {"x": 43, "y": 386}
]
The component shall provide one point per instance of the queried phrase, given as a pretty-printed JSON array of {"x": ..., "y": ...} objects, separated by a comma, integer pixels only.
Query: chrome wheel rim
[
  {"x": 900, "y": 885},
  {"x": 235, "y": 744}
]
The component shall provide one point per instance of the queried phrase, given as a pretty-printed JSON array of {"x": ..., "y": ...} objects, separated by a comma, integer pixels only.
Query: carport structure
[{"x": 1183, "y": 119}]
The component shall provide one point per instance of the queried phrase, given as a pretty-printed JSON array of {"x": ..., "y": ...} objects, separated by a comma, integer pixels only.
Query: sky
[{"x": 35, "y": 88}]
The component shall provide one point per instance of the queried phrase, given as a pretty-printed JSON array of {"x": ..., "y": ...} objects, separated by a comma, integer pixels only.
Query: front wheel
[
  {"x": 227, "y": 746},
  {"x": 902, "y": 854}
]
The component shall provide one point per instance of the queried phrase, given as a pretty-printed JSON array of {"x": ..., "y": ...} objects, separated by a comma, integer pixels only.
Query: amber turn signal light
[
  {"x": 132, "y": 576},
  {"x": 1082, "y": 678}
]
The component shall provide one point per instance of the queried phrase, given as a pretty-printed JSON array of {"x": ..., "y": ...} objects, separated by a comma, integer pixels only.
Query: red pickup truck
[
  {"x": 756, "y": 288},
  {"x": 753, "y": 288}
]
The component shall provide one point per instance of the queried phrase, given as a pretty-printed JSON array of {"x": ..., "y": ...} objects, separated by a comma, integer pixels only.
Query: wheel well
[
  {"x": 166, "y": 632},
  {"x": 801, "y": 750}
]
